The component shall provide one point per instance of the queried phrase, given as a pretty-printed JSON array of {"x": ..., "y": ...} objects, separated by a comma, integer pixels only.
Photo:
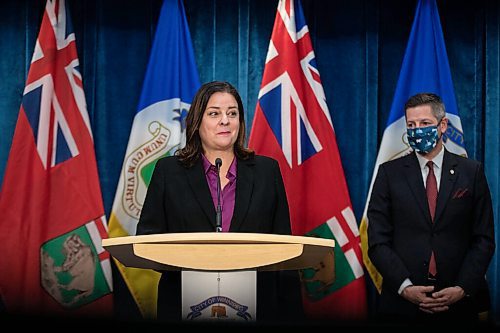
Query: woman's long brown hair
[{"x": 191, "y": 152}]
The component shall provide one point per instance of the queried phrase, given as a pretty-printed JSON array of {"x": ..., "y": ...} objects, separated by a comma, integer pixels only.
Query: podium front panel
[{"x": 219, "y": 296}]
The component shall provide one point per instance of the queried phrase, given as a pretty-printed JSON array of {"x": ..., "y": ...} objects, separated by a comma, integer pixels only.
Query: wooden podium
[
  {"x": 219, "y": 269},
  {"x": 219, "y": 251}
]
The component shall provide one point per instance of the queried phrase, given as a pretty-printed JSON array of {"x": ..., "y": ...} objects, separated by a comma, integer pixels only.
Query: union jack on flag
[
  {"x": 55, "y": 72},
  {"x": 292, "y": 124},
  {"x": 291, "y": 127},
  {"x": 53, "y": 223}
]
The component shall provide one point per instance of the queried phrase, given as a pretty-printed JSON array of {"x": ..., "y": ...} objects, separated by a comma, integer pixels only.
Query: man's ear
[{"x": 443, "y": 125}]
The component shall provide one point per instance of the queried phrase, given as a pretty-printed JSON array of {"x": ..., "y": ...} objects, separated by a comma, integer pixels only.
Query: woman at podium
[{"x": 215, "y": 183}]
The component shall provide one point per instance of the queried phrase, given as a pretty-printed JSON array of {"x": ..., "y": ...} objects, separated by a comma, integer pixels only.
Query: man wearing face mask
[{"x": 430, "y": 231}]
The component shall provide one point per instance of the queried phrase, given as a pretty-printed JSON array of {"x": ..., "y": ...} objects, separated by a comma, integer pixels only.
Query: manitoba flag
[
  {"x": 292, "y": 123},
  {"x": 53, "y": 218}
]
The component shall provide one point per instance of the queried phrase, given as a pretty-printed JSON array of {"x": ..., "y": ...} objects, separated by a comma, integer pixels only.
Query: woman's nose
[{"x": 224, "y": 119}]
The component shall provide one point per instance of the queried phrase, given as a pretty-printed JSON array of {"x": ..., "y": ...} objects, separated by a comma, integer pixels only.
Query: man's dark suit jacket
[
  {"x": 401, "y": 234},
  {"x": 179, "y": 200}
]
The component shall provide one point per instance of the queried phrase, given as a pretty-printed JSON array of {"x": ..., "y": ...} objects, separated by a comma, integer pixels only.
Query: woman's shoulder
[{"x": 168, "y": 162}]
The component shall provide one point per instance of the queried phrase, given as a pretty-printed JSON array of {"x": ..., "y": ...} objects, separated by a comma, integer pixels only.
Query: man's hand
[
  {"x": 417, "y": 294},
  {"x": 441, "y": 300}
]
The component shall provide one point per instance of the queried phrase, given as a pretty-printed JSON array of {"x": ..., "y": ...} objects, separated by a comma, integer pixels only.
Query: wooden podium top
[{"x": 219, "y": 251}]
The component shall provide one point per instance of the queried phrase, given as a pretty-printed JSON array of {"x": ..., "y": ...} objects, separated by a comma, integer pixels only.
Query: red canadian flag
[
  {"x": 292, "y": 123},
  {"x": 52, "y": 213}
]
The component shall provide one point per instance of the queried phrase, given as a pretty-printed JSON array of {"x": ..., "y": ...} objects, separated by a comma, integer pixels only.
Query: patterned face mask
[{"x": 423, "y": 139}]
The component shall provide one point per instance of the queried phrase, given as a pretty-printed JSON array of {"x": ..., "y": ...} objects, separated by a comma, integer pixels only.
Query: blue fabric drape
[{"x": 359, "y": 46}]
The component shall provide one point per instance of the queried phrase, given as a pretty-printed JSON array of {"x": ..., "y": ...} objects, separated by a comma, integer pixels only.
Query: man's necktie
[{"x": 432, "y": 193}]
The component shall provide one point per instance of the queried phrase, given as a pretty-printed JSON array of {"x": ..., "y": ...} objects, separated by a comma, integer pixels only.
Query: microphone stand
[{"x": 218, "y": 214}]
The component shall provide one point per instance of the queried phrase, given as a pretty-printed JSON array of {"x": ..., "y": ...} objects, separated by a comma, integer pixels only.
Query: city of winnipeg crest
[
  {"x": 165, "y": 123},
  {"x": 215, "y": 307},
  {"x": 138, "y": 168},
  {"x": 71, "y": 270},
  {"x": 213, "y": 296}
]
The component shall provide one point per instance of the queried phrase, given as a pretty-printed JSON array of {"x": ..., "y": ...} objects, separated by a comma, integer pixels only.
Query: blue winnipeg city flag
[
  {"x": 158, "y": 130},
  {"x": 172, "y": 71},
  {"x": 425, "y": 68},
  {"x": 425, "y": 65}
]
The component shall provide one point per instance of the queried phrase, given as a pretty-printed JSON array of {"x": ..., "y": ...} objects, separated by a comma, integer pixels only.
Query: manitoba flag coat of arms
[
  {"x": 52, "y": 261},
  {"x": 292, "y": 123}
]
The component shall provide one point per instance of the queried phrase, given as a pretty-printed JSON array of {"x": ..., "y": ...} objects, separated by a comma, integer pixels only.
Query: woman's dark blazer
[{"x": 178, "y": 200}]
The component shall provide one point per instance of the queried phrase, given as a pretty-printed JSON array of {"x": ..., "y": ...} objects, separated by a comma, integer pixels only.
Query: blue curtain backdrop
[{"x": 359, "y": 45}]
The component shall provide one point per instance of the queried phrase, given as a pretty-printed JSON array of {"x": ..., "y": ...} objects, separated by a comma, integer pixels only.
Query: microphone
[{"x": 218, "y": 214}]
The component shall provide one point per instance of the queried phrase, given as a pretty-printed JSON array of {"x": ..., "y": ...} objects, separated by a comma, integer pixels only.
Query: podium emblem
[
  {"x": 219, "y": 311},
  {"x": 217, "y": 307}
]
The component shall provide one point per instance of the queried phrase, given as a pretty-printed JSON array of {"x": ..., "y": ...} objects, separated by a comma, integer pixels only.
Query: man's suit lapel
[
  {"x": 449, "y": 175},
  {"x": 198, "y": 183},
  {"x": 244, "y": 188},
  {"x": 413, "y": 175}
]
